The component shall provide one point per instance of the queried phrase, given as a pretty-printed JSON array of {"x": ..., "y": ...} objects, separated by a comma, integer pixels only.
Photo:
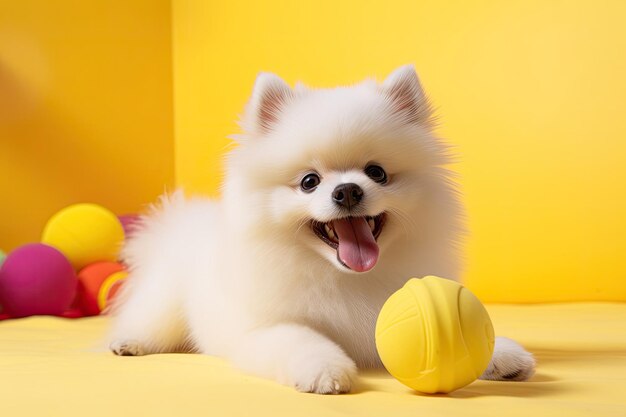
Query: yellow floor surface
[{"x": 50, "y": 367}]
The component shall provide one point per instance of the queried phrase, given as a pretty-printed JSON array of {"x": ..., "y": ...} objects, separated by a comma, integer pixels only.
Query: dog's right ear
[
  {"x": 406, "y": 96},
  {"x": 269, "y": 96}
]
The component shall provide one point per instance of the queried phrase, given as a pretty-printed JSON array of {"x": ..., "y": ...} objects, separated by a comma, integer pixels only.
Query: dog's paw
[
  {"x": 510, "y": 362},
  {"x": 126, "y": 348},
  {"x": 330, "y": 376}
]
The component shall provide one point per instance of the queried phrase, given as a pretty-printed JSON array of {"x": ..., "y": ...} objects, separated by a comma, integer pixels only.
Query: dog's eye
[
  {"x": 376, "y": 173},
  {"x": 309, "y": 182}
]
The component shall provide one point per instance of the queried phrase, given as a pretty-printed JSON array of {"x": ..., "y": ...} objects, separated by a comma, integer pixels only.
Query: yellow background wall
[
  {"x": 531, "y": 92},
  {"x": 85, "y": 108}
]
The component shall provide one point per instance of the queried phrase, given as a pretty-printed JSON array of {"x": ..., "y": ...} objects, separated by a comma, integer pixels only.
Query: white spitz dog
[{"x": 332, "y": 201}]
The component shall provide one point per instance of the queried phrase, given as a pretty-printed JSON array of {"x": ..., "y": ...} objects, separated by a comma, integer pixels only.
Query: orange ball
[
  {"x": 109, "y": 288},
  {"x": 97, "y": 283}
]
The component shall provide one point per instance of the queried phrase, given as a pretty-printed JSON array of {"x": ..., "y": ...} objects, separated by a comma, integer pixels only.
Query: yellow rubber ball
[
  {"x": 85, "y": 233},
  {"x": 434, "y": 335}
]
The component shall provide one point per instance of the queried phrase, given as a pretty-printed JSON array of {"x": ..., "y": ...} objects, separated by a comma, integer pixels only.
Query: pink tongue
[{"x": 357, "y": 247}]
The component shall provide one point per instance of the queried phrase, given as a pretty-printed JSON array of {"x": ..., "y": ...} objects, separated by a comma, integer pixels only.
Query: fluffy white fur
[{"x": 247, "y": 279}]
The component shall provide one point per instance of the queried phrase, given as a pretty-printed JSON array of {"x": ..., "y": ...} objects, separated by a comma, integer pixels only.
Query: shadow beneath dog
[
  {"x": 549, "y": 356},
  {"x": 539, "y": 385}
]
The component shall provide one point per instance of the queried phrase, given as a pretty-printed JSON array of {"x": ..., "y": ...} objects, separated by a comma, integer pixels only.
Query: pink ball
[
  {"x": 36, "y": 279},
  {"x": 129, "y": 222}
]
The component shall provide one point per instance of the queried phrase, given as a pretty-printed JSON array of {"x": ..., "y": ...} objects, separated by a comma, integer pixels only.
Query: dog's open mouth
[{"x": 354, "y": 239}]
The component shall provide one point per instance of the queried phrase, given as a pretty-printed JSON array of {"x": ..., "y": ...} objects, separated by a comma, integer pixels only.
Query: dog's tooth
[
  {"x": 372, "y": 223},
  {"x": 327, "y": 229}
]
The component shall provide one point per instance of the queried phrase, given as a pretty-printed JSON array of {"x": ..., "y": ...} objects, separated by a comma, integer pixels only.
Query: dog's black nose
[{"x": 347, "y": 195}]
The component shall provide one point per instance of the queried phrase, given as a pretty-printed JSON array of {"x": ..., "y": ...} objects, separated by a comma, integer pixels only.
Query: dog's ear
[
  {"x": 406, "y": 96},
  {"x": 269, "y": 97}
]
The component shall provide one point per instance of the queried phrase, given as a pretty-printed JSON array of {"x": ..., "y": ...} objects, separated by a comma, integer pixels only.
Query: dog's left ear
[
  {"x": 406, "y": 96},
  {"x": 269, "y": 97}
]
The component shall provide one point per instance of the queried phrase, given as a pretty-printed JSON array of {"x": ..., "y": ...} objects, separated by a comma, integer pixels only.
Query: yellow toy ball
[
  {"x": 434, "y": 335},
  {"x": 85, "y": 233}
]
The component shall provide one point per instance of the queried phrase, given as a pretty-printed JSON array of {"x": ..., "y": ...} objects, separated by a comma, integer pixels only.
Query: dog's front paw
[
  {"x": 331, "y": 375},
  {"x": 126, "y": 348},
  {"x": 510, "y": 362}
]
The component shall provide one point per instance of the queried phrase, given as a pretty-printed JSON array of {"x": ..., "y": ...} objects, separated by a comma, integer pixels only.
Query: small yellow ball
[
  {"x": 85, "y": 233},
  {"x": 434, "y": 335}
]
